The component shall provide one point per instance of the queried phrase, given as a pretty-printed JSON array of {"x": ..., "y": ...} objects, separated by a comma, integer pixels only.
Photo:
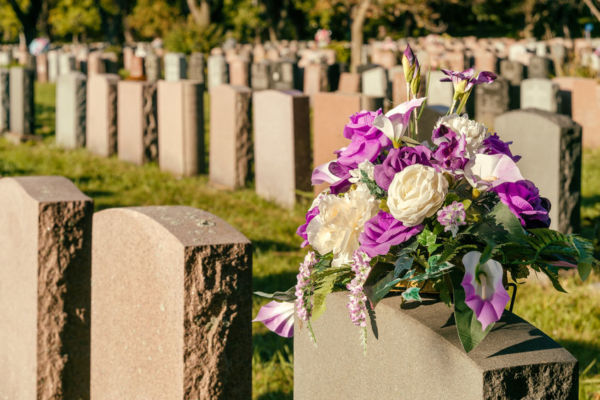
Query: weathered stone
[
  {"x": 284, "y": 75},
  {"x": 217, "y": 73},
  {"x": 172, "y": 305},
  {"x": 181, "y": 127},
  {"x": 539, "y": 67},
  {"x": 282, "y": 161},
  {"x": 541, "y": 94},
  {"x": 491, "y": 100},
  {"x": 375, "y": 82},
  {"x": 137, "y": 130},
  {"x": 230, "y": 135},
  {"x": 22, "y": 111},
  {"x": 101, "y": 114},
  {"x": 196, "y": 67},
  {"x": 513, "y": 72},
  {"x": 45, "y": 238},
  {"x": 556, "y": 170},
  {"x": 71, "y": 110},
  {"x": 261, "y": 76},
  {"x": 4, "y": 99},
  {"x": 175, "y": 66},
  {"x": 515, "y": 361},
  {"x": 152, "y": 66}
]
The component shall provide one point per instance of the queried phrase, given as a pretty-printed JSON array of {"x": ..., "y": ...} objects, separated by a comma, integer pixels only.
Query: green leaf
[
  {"x": 427, "y": 239},
  {"x": 470, "y": 331},
  {"x": 325, "y": 287},
  {"x": 434, "y": 270},
  {"x": 289, "y": 295},
  {"x": 382, "y": 287},
  {"x": 412, "y": 294}
]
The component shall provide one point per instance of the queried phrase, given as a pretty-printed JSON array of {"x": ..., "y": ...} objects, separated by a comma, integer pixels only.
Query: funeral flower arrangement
[{"x": 452, "y": 214}]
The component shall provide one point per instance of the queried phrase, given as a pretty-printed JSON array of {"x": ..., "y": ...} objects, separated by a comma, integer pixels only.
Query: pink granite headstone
[{"x": 101, "y": 126}]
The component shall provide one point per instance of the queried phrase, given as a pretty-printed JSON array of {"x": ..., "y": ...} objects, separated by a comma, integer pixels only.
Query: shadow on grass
[
  {"x": 275, "y": 282},
  {"x": 268, "y": 343},
  {"x": 585, "y": 353},
  {"x": 278, "y": 395},
  {"x": 272, "y": 245}
]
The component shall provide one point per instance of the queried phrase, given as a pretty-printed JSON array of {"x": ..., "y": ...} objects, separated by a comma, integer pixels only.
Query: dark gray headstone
[
  {"x": 70, "y": 110},
  {"x": 541, "y": 94},
  {"x": 555, "y": 169},
  {"x": 539, "y": 67},
  {"x": 4, "y": 99},
  {"x": 261, "y": 77},
  {"x": 152, "y": 66},
  {"x": 491, "y": 100},
  {"x": 284, "y": 75},
  {"x": 22, "y": 111},
  {"x": 514, "y": 73},
  {"x": 196, "y": 67}
]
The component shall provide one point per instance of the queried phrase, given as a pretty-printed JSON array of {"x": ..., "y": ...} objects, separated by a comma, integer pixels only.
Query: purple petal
[{"x": 277, "y": 317}]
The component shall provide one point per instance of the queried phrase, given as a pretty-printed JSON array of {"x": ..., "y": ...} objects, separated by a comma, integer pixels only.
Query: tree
[
  {"x": 75, "y": 18},
  {"x": 152, "y": 18},
  {"x": 28, "y": 16}
]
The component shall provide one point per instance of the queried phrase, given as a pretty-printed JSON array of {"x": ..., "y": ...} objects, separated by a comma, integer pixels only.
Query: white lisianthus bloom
[
  {"x": 366, "y": 166},
  {"x": 485, "y": 171},
  {"x": 474, "y": 132},
  {"x": 416, "y": 193},
  {"x": 340, "y": 221}
]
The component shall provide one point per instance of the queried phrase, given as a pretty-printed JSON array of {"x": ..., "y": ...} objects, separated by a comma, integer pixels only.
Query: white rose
[
  {"x": 340, "y": 221},
  {"x": 416, "y": 193},
  {"x": 474, "y": 132}
]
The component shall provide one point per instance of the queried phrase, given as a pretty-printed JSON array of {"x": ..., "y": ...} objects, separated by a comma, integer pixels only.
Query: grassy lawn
[{"x": 573, "y": 320}]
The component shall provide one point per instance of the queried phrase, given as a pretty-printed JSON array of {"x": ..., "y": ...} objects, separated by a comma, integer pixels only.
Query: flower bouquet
[{"x": 453, "y": 215}]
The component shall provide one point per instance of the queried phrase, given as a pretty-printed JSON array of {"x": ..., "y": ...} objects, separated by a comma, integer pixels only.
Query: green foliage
[
  {"x": 342, "y": 51},
  {"x": 152, "y": 18},
  {"x": 9, "y": 23},
  {"x": 187, "y": 37},
  {"x": 412, "y": 294},
  {"x": 74, "y": 18},
  {"x": 244, "y": 17}
]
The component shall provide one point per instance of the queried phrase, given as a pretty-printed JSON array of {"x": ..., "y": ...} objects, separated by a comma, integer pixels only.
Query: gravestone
[
  {"x": 239, "y": 72},
  {"x": 5, "y": 58},
  {"x": 556, "y": 170},
  {"x": 491, "y": 100},
  {"x": 331, "y": 112},
  {"x": 580, "y": 94},
  {"x": 152, "y": 66},
  {"x": 196, "y": 67},
  {"x": 101, "y": 114},
  {"x": 66, "y": 63},
  {"x": 45, "y": 249},
  {"x": 315, "y": 79},
  {"x": 428, "y": 120},
  {"x": 4, "y": 100},
  {"x": 539, "y": 67},
  {"x": 128, "y": 54},
  {"x": 513, "y": 72},
  {"x": 349, "y": 83},
  {"x": 284, "y": 75},
  {"x": 95, "y": 64},
  {"x": 282, "y": 160},
  {"x": 541, "y": 94},
  {"x": 52, "y": 65},
  {"x": 22, "y": 111},
  {"x": 172, "y": 304},
  {"x": 175, "y": 66},
  {"x": 485, "y": 61},
  {"x": 137, "y": 130},
  {"x": 261, "y": 76},
  {"x": 71, "y": 110},
  {"x": 41, "y": 67},
  {"x": 515, "y": 361},
  {"x": 136, "y": 68},
  {"x": 230, "y": 136},
  {"x": 181, "y": 127},
  {"x": 216, "y": 71},
  {"x": 439, "y": 93},
  {"x": 375, "y": 82}
]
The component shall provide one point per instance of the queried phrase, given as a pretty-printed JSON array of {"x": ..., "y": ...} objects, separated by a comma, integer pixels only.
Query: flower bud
[
  {"x": 415, "y": 85},
  {"x": 408, "y": 64}
]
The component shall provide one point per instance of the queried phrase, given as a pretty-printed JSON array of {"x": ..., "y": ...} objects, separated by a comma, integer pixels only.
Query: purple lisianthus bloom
[
  {"x": 484, "y": 292},
  {"x": 278, "y": 317},
  {"x": 367, "y": 141},
  {"x": 361, "y": 126},
  {"x": 467, "y": 78},
  {"x": 397, "y": 160},
  {"x": 451, "y": 154},
  {"x": 494, "y": 145},
  {"x": 334, "y": 173},
  {"x": 313, "y": 212},
  {"x": 524, "y": 201},
  {"x": 384, "y": 231}
]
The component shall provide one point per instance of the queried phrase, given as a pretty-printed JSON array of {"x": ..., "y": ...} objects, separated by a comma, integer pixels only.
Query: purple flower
[
  {"x": 357, "y": 300},
  {"x": 452, "y": 216},
  {"x": 524, "y": 201},
  {"x": 313, "y": 212},
  {"x": 494, "y": 145},
  {"x": 384, "y": 231},
  {"x": 484, "y": 291},
  {"x": 396, "y": 121},
  {"x": 334, "y": 173},
  {"x": 465, "y": 80},
  {"x": 410, "y": 64},
  {"x": 278, "y": 317},
  {"x": 367, "y": 141},
  {"x": 397, "y": 160},
  {"x": 451, "y": 154},
  {"x": 304, "y": 288}
]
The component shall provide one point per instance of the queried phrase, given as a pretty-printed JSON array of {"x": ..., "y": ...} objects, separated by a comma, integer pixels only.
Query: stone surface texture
[
  {"x": 175, "y": 66},
  {"x": 282, "y": 159},
  {"x": 491, "y": 100},
  {"x": 541, "y": 94},
  {"x": 21, "y": 101},
  {"x": 4, "y": 99},
  {"x": 196, "y": 67},
  {"x": 375, "y": 82},
  {"x": 45, "y": 239},
  {"x": 152, "y": 67},
  {"x": 181, "y": 127},
  {"x": 71, "y": 110},
  {"x": 413, "y": 352},
  {"x": 556, "y": 170},
  {"x": 172, "y": 306},
  {"x": 216, "y": 70},
  {"x": 349, "y": 83},
  {"x": 231, "y": 136},
  {"x": 137, "y": 128},
  {"x": 101, "y": 114}
]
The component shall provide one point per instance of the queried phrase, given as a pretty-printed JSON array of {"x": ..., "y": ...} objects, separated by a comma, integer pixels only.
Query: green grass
[{"x": 573, "y": 320}]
